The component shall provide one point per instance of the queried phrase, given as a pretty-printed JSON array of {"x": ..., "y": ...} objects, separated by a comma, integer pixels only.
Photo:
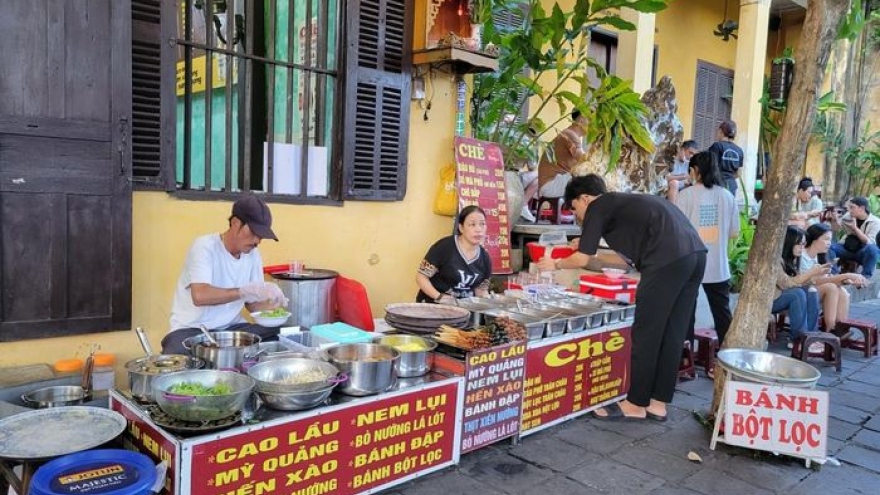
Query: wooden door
[{"x": 65, "y": 168}]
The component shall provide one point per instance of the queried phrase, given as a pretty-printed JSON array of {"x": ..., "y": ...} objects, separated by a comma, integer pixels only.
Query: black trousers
[
  {"x": 172, "y": 343},
  {"x": 665, "y": 302},
  {"x": 718, "y": 295}
]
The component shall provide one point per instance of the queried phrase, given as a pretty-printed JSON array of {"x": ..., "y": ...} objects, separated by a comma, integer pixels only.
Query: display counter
[{"x": 355, "y": 445}]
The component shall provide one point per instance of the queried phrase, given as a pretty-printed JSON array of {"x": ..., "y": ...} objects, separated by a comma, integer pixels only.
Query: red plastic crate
[
  {"x": 536, "y": 251},
  {"x": 621, "y": 289}
]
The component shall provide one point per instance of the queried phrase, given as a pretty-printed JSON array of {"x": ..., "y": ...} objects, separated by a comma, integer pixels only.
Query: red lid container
[
  {"x": 619, "y": 289},
  {"x": 536, "y": 251}
]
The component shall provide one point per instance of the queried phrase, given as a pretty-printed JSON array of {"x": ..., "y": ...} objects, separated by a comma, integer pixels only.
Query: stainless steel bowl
[
  {"x": 767, "y": 367},
  {"x": 283, "y": 376},
  {"x": 296, "y": 401},
  {"x": 59, "y": 396},
  {"x": 370, "y": 368},
  {"x": 412, "y": 362},
  {"x": 202, "y": 407}
]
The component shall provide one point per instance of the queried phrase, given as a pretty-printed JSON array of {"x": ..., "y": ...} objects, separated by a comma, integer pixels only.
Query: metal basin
[
  {"x": 767, "y": 367},
  {"x": 413, "y": 361},
  {"x": 370, "y": 368},
  {"x": 202, "y": 407},
  {"x": 293, "y": 375},
  {"x": 296, "y": 401},
  {"x": 59, "y": 396}
]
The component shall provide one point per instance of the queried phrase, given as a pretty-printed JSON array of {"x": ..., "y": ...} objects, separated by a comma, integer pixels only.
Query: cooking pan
[
  {"x": 65, "y": 395},
  {"x": 142, "y": 371}
]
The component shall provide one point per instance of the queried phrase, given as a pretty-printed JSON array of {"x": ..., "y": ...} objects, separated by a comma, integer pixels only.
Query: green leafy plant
[
  {"x": 480, "y": 11},
  {"x": 738, "y": 249},
  {"x": 544, "y": 62}
]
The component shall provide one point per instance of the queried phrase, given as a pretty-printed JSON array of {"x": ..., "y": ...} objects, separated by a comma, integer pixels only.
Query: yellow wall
[
  {"x": 378, "y": 243},
  {"x": 683, "y": 36}
]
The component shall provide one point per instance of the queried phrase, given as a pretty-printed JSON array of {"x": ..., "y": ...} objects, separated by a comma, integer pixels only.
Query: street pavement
[{"x": 588, "y": 456}]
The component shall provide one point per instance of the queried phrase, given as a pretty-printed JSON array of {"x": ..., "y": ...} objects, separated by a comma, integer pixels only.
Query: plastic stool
[
  {"x": 707, "y": 346},
  {"x": 801, "y": 348},
  {"x": 868, "y": 344},
  {"x": 686, "y": 369},
  {"x": 549, "y": 209}
]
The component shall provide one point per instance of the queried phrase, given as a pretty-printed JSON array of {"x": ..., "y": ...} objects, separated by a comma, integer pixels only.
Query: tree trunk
[{"x": 749, "y": 326}]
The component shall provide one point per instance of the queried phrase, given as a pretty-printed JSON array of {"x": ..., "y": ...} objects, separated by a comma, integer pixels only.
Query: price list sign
[
  {"x": 480, "y": 180},
  {"x": 493, "y": 395},
  {"x": 344, "y": 451},
  {"x": 575, "y": 376}
]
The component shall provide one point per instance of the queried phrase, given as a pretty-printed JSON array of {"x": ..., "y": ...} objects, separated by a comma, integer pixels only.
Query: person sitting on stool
[
  {"x": 861, "y": 228},
  {"x": 567, "y": 149}
]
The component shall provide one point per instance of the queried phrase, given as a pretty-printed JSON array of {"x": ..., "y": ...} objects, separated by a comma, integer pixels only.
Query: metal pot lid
[
  {"x": 161, "y": 363},
  {"x": 47, "y": 433},
  {"x": 313, "y": 274}
]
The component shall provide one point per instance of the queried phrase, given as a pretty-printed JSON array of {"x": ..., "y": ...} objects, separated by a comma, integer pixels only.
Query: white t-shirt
[
  {"x": 208, "y": 262},
  {"x": 807, "y": 262},
  {"x": 714, "y": 214}
]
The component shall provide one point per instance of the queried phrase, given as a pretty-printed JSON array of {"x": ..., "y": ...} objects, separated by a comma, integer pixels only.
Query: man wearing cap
[
  {"x": 222, "y": 274},
  {"x": 861, "y": 229}
]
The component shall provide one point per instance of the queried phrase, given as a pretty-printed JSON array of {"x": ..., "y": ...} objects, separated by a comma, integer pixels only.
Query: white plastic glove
[{"x": 261, "y": 291}]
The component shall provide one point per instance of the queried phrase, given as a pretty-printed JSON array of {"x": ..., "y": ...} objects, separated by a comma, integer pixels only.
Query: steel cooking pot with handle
[
  {"x": 142, "y": 371},
  {"x": 231, "y": 351}
]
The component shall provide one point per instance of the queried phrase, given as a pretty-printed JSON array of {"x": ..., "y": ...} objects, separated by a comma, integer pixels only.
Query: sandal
[
  {"x": 710, "y": 372},
  {"x": 656, "y": 417},
  {"x": 615, "y": 413}
]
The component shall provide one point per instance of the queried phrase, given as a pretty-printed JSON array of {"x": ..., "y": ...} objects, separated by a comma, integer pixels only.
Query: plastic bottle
[{"x": 103, "y": 373}]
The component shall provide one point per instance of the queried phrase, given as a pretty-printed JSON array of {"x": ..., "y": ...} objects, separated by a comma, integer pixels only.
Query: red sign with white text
[
  {"x": 480, "y": 180},
  {"x": 343, "y": 451},
  {"x": 575, "y": 375}
]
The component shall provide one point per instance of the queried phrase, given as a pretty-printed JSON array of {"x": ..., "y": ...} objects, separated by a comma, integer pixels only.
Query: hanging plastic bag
[{"x": 446, "y": 200}]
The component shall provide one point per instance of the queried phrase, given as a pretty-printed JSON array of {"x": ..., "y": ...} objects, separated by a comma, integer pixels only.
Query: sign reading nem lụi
[{"x": 778, "y": 419}]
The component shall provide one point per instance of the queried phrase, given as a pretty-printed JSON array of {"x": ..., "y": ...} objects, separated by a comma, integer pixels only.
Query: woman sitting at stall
[
  {"x": 457, "y": 266},
  {"x": 795, "y": 290},
  {"x": 832, "y": 295}
]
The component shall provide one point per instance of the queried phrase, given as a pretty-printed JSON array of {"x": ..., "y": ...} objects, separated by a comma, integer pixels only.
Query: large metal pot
[
  {"x": 371, "y": 368},
  {"x": 416, "y": 353},
  {"x": 202, "y": 407},
  {"x": 142, "y": 371},
  {"x": 232, "y": 349},
  {"x": 311, "y": 296}
]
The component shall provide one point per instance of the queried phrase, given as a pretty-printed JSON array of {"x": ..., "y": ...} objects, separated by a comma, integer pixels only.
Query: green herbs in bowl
[{"x": 271, "y": 318}]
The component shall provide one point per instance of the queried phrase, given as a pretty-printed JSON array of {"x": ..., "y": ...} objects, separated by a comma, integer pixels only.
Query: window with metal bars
[{"x": 270, "y": 84}]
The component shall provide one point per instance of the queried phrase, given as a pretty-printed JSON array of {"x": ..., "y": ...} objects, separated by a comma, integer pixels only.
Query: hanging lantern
[{"x": 781, "y": 74}]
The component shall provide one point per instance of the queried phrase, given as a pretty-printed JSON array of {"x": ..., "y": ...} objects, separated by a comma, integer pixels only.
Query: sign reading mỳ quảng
[{"x": 778, "y": 419}]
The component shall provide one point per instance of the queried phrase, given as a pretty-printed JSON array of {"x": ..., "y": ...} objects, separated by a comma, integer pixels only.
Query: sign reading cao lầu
[{"x": 778, "y": 419}]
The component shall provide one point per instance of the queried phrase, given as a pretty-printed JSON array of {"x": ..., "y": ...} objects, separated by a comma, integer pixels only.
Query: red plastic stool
[
  {"x": 686, "y": 369},
  {"x": 868, "y": 344},
  {"x": 549, "y": 209},
  {"x": 831, "y": 351},
  {"x": 707, "y": 346}
]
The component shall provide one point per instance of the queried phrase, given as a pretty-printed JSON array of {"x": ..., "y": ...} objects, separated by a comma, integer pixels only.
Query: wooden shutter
[
  {"x": 153, "y": 94},
  {"x": 712, "y": 102},
  {"x": 377, "y": 99},
  {"x": 505, "y": 20}
]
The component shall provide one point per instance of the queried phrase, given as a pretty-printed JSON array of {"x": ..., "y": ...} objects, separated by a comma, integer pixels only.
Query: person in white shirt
[
  {"x": 223, "y": 274},
  {"x": 712, "y": 210},
  {"x": 861, "y": 229},
  {"x": 678, "y": 177},
  {"x": 807, "y": 208}
]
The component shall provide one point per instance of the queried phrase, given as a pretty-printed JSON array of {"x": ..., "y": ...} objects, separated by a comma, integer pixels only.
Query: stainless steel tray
[
  {"x": 554, "y": 323},
  {"x": 534, "y": 326}
]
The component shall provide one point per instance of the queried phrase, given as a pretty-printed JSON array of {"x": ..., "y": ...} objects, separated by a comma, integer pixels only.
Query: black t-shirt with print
[
  {"x": 729, "y": 156},
  {"x": 648, "y": 230},
  {"x": 449, "y": 271}
]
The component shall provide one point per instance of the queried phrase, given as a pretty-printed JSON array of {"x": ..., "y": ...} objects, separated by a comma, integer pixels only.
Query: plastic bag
[{"x": 446, "y": 199}]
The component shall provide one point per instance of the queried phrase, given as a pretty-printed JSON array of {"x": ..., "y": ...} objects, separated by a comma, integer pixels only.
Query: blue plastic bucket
[{"x": 96, "y": 472}]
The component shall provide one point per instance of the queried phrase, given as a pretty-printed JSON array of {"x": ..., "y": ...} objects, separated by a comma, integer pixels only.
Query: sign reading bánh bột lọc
[
  {"x": 778, "y": 419},
  {"x": 493, "y": 395},
  {"x": 480, "y": 181},
  {"x": 343, "y": 451}
]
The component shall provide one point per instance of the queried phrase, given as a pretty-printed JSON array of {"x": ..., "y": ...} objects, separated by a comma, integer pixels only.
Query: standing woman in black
[
  {"x": 729, "y": 155},
  {"x": 662, "y": 244}
]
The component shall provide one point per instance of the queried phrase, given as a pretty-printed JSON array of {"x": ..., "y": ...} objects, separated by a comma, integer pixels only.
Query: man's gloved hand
[{"x": 261, "y": 291}]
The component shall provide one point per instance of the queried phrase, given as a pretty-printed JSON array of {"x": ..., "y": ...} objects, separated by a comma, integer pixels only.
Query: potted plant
[{"x": 479, "y": 13}]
